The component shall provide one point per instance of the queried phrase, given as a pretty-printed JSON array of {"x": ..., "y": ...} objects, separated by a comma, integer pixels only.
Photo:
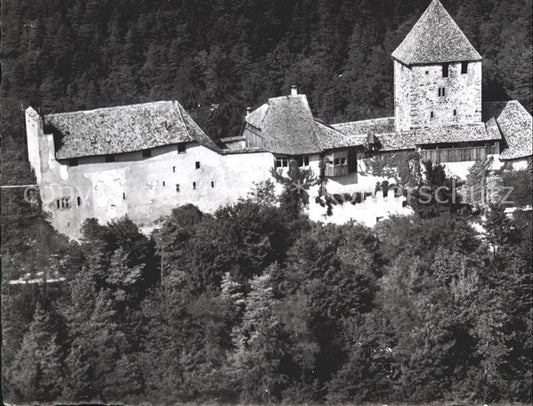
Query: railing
[
  {"x": 455, "y": 154},
  {"x": 339, "y": 170}
]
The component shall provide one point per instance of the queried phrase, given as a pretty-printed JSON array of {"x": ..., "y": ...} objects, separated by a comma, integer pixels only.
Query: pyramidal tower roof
[{"x": 435, "y": 38}]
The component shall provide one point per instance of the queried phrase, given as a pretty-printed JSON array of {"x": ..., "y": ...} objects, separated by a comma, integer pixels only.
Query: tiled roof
[
  {"x": 286, "y": 125},
  {"x": 330, "y": 138},
  {"x": 389, "y": 140},
  {"x": 435, "y": 38},
  {"x": 256, "y": 117},
  {"x": 453, "y": 134},
  {"x": 122, "y": 129},
  {"x": 374, "y": 126},
  {"x": 515, "y": 124}
]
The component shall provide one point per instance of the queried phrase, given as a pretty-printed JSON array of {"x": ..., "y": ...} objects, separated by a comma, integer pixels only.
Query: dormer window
[
  {"x": 445, "y": 70},
  {"x": 464, "y": 67}
]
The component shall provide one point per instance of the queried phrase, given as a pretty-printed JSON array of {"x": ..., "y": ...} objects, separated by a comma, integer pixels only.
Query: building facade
[{"x": 143, "y": 160}]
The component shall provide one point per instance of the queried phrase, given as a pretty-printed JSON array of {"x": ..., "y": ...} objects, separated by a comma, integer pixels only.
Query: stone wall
[
  {"x": 461, "y": 103},
  {"x": 402, "y": 92},
  {"x": 416, "y": 95}
]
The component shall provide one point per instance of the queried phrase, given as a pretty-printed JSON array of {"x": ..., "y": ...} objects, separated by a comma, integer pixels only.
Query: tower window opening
[
  {"x": 212, "y": 184},
  {"x": 164, "y": 184},
  {"x": 197, "y": 165},
  {"x": 123, "y": 195},
  {"x": 445, "y": 70},
  {"x": 78, "y": 200},
  {"x": 454, "y": 112},
  {"x": 432, "y": 115},
  {"x": 442, "y": 91},
  {"x": 177, "y": 187},
  {"x": 194, "y": 185},
  {"x": 464, "y": 67},
  {"x": 58, "y": 203},
  {"x": 173, "y": 169}
]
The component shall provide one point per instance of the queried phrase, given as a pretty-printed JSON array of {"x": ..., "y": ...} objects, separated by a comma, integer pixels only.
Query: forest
[{"x": 255, "y": 303}]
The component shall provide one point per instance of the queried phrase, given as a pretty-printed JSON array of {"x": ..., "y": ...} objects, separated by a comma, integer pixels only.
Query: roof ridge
[
  {"x": 365, "y": 120},
  {"x": 183, "y": 119},
  {"x": 123, "y": 106}
]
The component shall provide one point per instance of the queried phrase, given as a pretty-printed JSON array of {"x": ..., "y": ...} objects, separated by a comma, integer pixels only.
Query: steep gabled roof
[
  {"x": 515, "y": 124},
  {"x": 435, "y": 38},
  {"x": 120, "y": 129},
  {"x": 286, "y": 125}
]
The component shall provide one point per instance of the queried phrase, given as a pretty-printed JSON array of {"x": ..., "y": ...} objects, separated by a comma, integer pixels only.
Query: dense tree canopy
[{"x": 254, "y": 302}]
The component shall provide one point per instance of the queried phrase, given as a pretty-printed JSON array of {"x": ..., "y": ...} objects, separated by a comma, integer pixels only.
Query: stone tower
[{"x": 437, "y": 74}]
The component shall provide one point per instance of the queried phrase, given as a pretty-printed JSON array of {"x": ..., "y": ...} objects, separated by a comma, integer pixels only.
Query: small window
[
  {"x": 58, "y": 203},
  {"x": 454, "y": 112},
  {"x": 282, "y": 162},
  {"x": 442, "y": 91},
  {"x": 164, "y": 184},
  {"x": 303, "y": 160},
  {"x": 427, "y": 72},
  {"x": 343, "y": 161},
  {"x": 431, "y": 115},
  {"x": 147, "y": 153},
  {"x": 65, "y": 203},
  {"x": 182, "y": 148},
  {"x": 174, "y": 169},
  {"x": 177, "y": 187},
  {"x": 73, "y": 162},
  {"x": 445, "y": 70},
  {"x": 464, "y": 67},
  {"x": 212, "y": 184},
  {"x": 194, "y": 185},
  {"x": 336, "y": 161},
  {"x": 197, "y": 165},
  {"x": 110, "y": 158},
  {"x": 123, "y": 195},
  {"x": 78, "y": 200}
]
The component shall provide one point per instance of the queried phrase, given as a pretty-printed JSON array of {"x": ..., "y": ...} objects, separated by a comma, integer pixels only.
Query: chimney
[
  {"x": 248, "y": 111},
  {"x": 294, "y": 90}
]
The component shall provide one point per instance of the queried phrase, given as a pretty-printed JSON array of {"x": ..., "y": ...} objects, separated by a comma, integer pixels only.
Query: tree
[
  {"x": 36, "y": 373},
  {"x": 255, "y": 365},
  {"x": 296, "y": 184}
]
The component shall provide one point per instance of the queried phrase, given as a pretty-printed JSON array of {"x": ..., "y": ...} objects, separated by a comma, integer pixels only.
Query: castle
[{"x": 143, "y": 160}]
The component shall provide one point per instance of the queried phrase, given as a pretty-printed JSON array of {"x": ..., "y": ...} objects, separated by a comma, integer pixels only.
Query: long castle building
[{"x": 143, "y": 160}]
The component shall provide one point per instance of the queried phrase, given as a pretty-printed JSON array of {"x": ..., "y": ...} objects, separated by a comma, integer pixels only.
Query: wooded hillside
[{"x": 256, "y": 303}]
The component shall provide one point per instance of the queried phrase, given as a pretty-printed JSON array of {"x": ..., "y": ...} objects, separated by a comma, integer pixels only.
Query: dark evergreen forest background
[{"x": 255, "y": 302}]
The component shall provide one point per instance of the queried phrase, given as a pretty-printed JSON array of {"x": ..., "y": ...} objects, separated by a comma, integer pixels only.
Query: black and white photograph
[{"x": 258, "y": 202}]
